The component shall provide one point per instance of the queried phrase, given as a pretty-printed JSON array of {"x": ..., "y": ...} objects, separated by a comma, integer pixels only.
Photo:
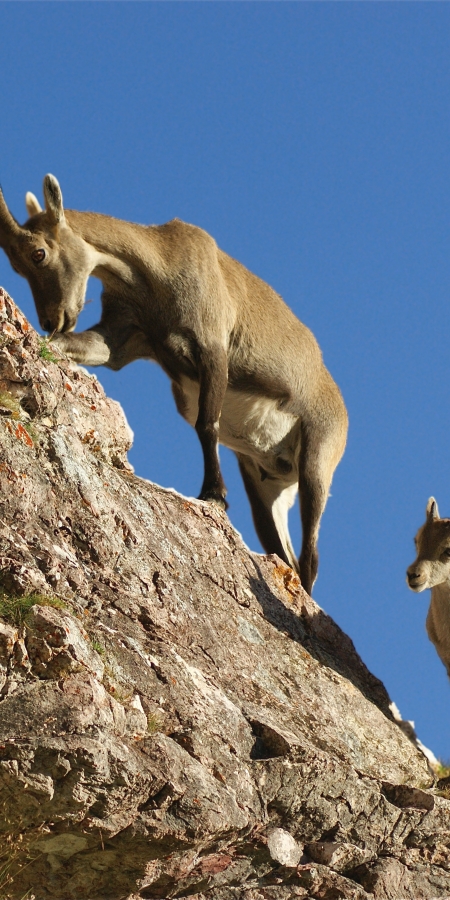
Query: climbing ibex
[
  {"x": 244, "y": 370},
  {"x": 432, "y": 570}
]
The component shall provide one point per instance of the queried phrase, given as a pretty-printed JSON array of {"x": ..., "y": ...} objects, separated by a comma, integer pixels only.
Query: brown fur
[{"x": 244, "y": 370}]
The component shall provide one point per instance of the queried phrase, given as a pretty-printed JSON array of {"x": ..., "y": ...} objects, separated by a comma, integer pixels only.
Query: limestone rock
[
  {"x": 185, "y": 721},
  {"x": 283, "y": 848}
]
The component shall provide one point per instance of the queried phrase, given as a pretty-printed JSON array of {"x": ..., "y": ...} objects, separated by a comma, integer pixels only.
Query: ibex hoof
[{"x": 214, "y": 497}]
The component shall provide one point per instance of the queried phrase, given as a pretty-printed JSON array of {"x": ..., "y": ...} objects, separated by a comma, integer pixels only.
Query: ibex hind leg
[
  {"x": 270, "y": 501},
  {"x": 321, "y": 450}
]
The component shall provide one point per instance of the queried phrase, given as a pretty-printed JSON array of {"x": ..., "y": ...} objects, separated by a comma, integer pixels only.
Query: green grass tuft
[
  {"x": 45, "y": 352},
  {"x": 154, "y": 723},
  {"x": 443, "y": 779},
  {"x": 98, "y": 647},
  {"x": 443, "y": 769},
  {"x": 15, "y": 609}
]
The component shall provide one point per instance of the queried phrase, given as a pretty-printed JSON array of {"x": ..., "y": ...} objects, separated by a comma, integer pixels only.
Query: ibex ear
[
  {"x": 432, "y": 510},
  {"x": 9, "y": 228},
  {"x": 53, "y": 199},
  {"x": 32, "y": 204}
]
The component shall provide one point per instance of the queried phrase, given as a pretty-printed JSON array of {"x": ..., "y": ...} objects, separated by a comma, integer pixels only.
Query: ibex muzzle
[
  {"x": 244, "y": 370},
  {"x": 431, "y": 569}
]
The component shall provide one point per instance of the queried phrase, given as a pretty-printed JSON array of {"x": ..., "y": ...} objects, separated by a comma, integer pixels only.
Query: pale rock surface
[
  {"x": 283, "y": 848},
  {"x": 191, "y": 723}
]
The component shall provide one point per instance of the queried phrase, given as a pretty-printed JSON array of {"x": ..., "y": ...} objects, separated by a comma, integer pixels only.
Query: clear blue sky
[{"x": 313, "y": 141}]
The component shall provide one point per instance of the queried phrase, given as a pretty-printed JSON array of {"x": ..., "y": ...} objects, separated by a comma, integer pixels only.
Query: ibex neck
[
  {"x": 118, "y": 248},
  {"x": 442, "y": 591}
]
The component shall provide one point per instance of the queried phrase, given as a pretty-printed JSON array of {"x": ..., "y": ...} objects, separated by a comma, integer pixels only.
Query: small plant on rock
[
  {"x": 98, "y": 647},
  {"x": 154, "y": 723},
  {"x": 14, "y": 609},
  {"x": 443, "y": 769},
  {"x": 443, "y": 779},
  {"x": 45, "y": 352}
]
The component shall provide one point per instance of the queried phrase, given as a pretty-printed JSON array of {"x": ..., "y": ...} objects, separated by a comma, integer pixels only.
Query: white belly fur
[{"x": 253, "y": 425}]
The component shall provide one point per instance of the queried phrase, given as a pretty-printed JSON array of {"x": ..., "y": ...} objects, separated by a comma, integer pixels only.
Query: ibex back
[{"x": 245, "y": 372}]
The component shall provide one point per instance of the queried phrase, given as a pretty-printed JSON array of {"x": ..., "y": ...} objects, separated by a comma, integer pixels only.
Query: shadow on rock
[{"x": 310, "y": 626}]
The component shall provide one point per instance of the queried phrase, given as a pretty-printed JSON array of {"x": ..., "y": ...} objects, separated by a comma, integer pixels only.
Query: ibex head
[
  {"x": 432, "y": 540},
  {"x": 47, "y": 252}
]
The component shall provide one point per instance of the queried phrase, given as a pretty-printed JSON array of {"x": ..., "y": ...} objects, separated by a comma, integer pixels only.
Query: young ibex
[
  {"x": 244, "y": 370},
  {"x": 432, "y": 570}
]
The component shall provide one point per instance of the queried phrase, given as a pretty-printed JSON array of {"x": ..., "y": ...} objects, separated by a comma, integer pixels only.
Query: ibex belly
[{"x": 253, "y": 425}]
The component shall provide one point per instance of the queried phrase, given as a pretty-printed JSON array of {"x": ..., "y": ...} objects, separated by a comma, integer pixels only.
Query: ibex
[
  {"x": 432, "y": 570},
  {"x": 245, "y": 372}
]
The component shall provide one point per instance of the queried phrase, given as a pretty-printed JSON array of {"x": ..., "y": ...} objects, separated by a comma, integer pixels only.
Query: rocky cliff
[{"x": 177, "y": 717}]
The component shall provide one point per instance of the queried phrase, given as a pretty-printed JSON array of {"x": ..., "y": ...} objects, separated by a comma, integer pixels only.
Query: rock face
[{"x": 186, "y": 721}]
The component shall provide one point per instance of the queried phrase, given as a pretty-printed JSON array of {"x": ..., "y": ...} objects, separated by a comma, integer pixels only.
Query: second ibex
[{"x": 245, "y": 372}]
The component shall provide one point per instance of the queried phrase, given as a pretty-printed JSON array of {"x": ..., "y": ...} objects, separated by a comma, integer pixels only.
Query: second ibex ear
[
  {"x": 53, "y": 199},
  {"x": 32, "y": 204},
  {"x": 432, "y": 509}
]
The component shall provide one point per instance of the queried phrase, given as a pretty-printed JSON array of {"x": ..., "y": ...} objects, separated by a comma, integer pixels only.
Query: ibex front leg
[
  {"x": 88, "y": 348},
  {"x": 213, "y": 378}
]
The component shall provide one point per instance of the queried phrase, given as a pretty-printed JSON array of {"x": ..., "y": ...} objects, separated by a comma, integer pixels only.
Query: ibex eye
[{"x": 38, "y": 255}]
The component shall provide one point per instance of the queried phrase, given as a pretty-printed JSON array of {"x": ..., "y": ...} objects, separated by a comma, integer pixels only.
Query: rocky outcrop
[{"x": 177, "y": 717}]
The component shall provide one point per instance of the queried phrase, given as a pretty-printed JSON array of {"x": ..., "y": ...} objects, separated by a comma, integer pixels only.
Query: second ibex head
[{"x": 432, "y": 564}]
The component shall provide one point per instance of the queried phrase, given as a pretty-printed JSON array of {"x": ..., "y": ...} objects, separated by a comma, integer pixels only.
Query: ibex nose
[
  {"x": 47, "y": 326},
  {"x": 414, "y": 577}
]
